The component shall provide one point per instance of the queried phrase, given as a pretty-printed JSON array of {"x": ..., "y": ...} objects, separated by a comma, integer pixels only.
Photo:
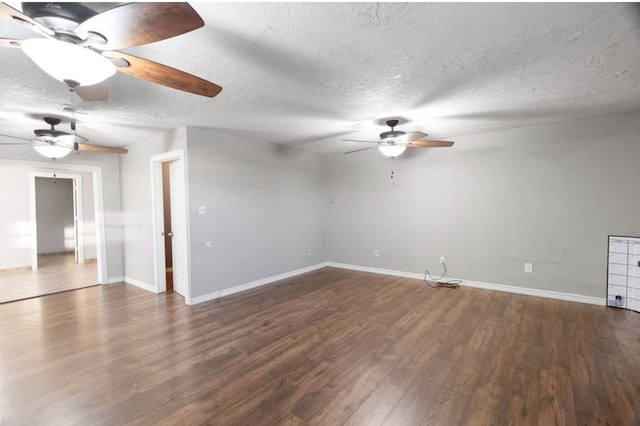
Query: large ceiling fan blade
[
  {"x": 355, "y": 140},
  {"x": 15, "y": 137},
  {"x": 429, "y": 144},
  {"x": 99, "y": 148},
  {"x": 20, "y": 18},
  {"x": 358, "y": 150},
  {"x": 93, "y": 93},
  {"x": 165, "y": 75},
  {"x": 134, "y": 24},
  {"x": 13, "y": 144}
]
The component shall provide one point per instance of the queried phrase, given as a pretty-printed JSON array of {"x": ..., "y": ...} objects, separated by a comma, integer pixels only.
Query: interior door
[{"x": 178, "y": 226}]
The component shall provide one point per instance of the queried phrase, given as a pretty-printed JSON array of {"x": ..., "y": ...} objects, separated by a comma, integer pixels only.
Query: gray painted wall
[
  {"x": 110, "y": 166},
  {"x": 15, "y": 233},
  {"x": 265, "y": 208},
  {"x": 88, "y": 216},
  {"x": 136, "y": 203},
  {"x": 547, "y": 195},
  {"x": 54, "y": 215}
]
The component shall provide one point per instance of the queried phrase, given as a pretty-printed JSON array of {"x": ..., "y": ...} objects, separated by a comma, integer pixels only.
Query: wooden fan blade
[
  {"x": 16, "y": 137},
  {"x": 429, "y": 144},
  {"x": 134, "y": 24},
  {"x": 355, "y": 140},
  {"x": 93, "y": 93},
  {"x": 10, "y": 42},
  {"x": 165, "y": 75},
  {"x": 99, "y": 148},
  {"x": 20, "y": 18},
  {"x": 361, "y": 149}
]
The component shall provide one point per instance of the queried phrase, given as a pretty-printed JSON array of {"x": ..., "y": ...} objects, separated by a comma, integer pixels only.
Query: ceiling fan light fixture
[
  {"x": 52, "y": 151},
  {"x": 391, "y": 150},
  {"x": 67, "y": 62}
]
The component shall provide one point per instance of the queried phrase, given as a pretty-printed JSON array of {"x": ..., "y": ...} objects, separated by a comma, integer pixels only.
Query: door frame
[
  {"x": 77, "y": 207},
  {"x": 98, "y": 203},
  {"x": 157, "y": 213}
]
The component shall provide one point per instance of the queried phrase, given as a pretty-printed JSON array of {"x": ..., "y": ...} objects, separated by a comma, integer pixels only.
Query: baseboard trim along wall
[
  {"x": 140, "y": 284},
  {"x": 477, "y": 284},
  {"x": 115, "y": 280},
  {"x": 254, "y": 284},
  {"x": 601, "y": 301},
  {"x": 15, "y": 269}
]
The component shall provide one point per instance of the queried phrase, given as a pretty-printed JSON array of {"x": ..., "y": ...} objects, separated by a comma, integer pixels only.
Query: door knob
[{"x": 170, "y": 234}]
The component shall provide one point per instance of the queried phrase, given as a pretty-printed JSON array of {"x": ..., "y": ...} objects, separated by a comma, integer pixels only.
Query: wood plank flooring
[
  {"x": 328, "y": 348},
  {"x": 55, "y": 273}
]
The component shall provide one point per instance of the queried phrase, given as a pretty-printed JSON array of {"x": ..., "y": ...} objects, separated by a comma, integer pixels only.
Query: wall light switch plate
[{"x": 528, "y": 268}]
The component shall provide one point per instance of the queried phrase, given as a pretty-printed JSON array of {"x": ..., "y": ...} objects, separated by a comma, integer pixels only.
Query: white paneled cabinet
[{"x": 623, "y": 272}]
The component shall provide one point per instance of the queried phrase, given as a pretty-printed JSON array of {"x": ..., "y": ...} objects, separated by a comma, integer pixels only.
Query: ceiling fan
[
  {"x": 55, "y": 144},
  {"x": 78, "y": 43},
  {"x": 394, "y": 142}
]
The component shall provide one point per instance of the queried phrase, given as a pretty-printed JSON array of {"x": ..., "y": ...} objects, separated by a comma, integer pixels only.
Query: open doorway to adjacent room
[
  {"x": 63, "y": 243},
  {"x": 166, "y": 203},
  {"x": 171, "y": 255}
]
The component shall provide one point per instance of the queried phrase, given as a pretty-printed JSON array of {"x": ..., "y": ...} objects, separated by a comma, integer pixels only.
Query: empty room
[{"x": 320, "y": 213}]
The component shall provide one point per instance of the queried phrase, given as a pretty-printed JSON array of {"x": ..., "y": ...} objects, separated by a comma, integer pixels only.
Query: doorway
[
  {"x": 171, "y": 254},
  {"x": 58, "y": 219},
  {"x": 166, "y": 209},
  {"x": 64, "y": 238},
  {"x": 56, "y": 215},
  {"x": 91, "y": 215}
]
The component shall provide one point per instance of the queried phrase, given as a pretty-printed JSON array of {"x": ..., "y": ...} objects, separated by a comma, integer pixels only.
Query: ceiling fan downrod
[{"x": 388, "y": 136}]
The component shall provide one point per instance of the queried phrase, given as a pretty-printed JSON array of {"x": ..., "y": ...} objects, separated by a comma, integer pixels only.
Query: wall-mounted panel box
[{"x": 623, "y": 272}]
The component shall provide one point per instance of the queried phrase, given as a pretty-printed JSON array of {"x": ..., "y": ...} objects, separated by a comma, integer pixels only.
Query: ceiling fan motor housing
[
  {"x": 52, "y": 132},
  {"x": 61, "y": 17},
  {"x": 392, "y": 134}
]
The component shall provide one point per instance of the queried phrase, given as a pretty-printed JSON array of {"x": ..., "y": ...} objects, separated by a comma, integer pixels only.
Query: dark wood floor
[{"x": 329, "y": 348}]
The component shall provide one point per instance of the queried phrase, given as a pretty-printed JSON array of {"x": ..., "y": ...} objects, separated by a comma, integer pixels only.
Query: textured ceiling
[{"x": 310, "y": 74}]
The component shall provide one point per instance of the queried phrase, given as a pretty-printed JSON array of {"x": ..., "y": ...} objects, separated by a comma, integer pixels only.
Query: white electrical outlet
[
  {"x": 202, "y": 209},
  {"x": 441, "y": 259},
  {"x": 309, "y": 252},
  {"x": 376, "y": 252},
  {"x": 528, "y": 268}
]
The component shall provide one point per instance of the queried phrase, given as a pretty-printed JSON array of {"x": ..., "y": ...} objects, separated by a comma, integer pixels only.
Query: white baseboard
[
  {"x": 571, "y": 297},
  {"x": 254, "y": 284},
  {"x": 115, "y": 280},
  {"x": 140, "y": 284}
]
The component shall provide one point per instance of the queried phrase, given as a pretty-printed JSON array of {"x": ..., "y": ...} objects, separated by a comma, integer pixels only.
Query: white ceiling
[{"x": 308, "y": 74}]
